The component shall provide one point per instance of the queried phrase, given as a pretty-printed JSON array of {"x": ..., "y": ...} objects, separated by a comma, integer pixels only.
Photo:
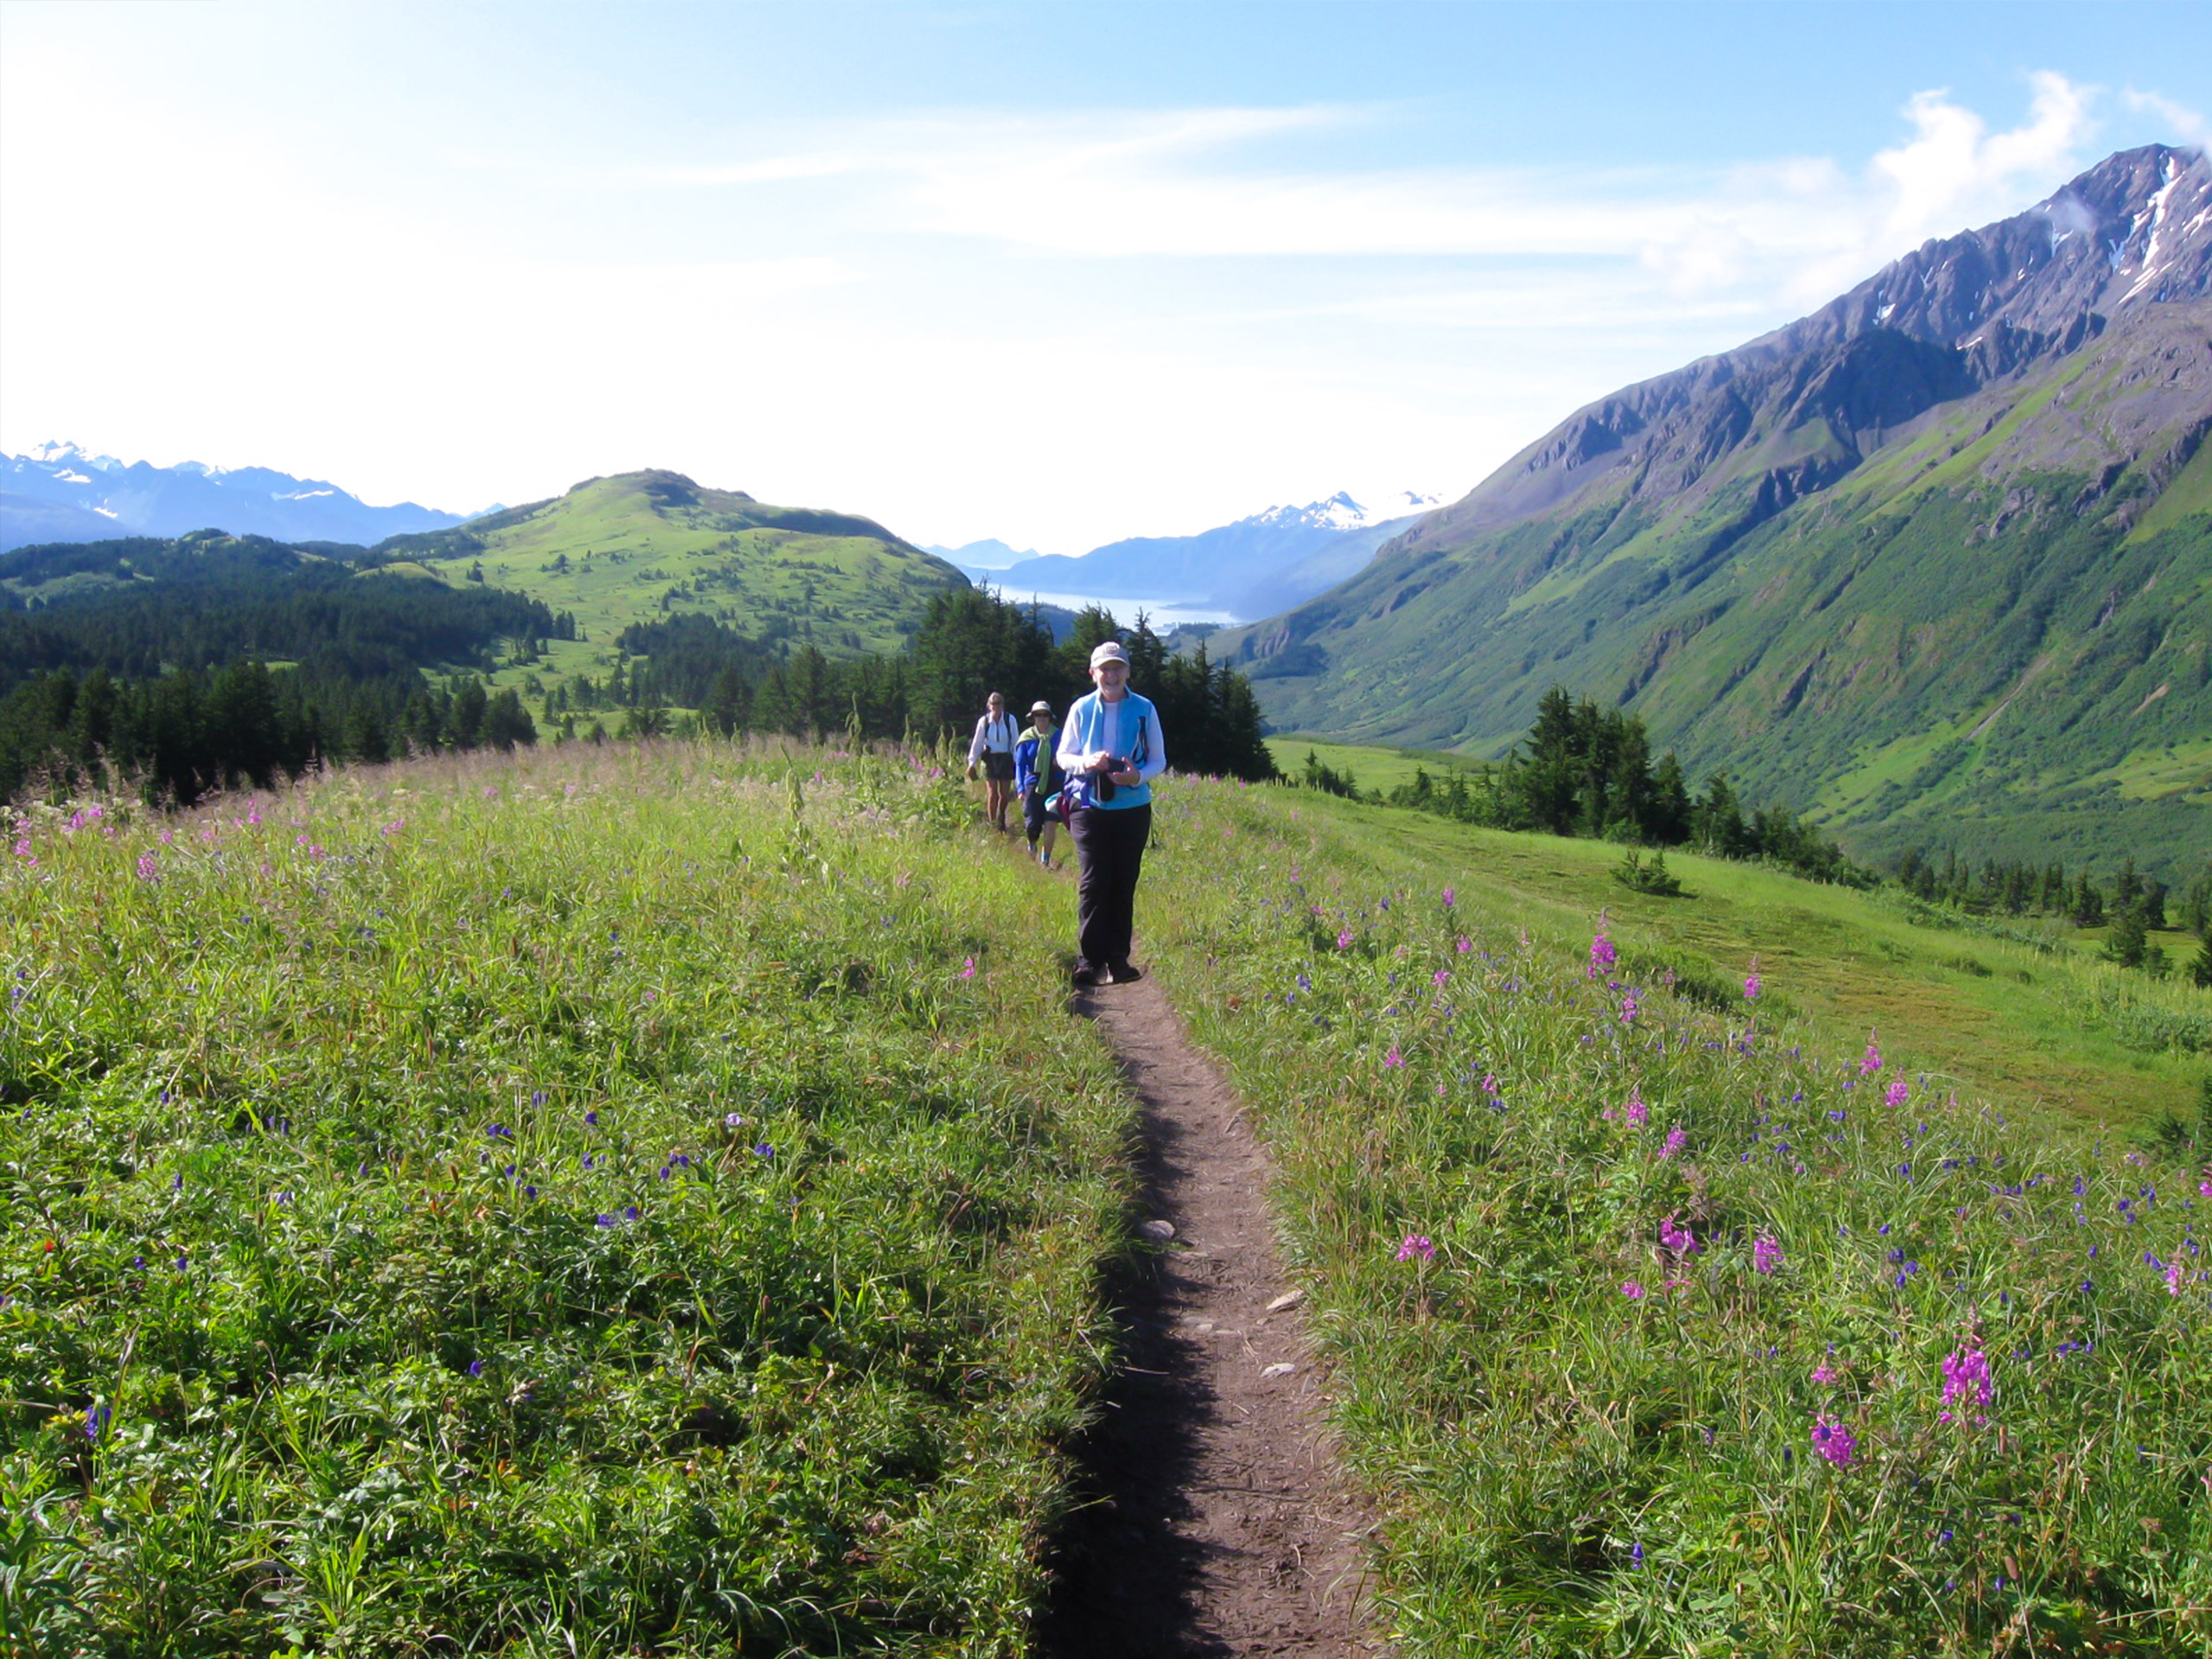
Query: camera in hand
[{"x": 1102, "y": 784}]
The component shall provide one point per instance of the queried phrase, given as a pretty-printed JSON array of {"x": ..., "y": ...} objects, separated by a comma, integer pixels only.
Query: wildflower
[
  {"x": 1394, "y": 1059},
  {"x": 1677, "y": 1238},
  {"x": 1824, "y": 1373},
  {"x": 476, "y": 1367},
  {"x": 763, "y": 1150},
  {"x": 1834, "y": 1442},
  {"x": 1466, "y": 944},
  {"x": 1627, "y": 1008},
  {"x": 1451, "y": 896},
  {"x": 1966, "y": 1379},
  {"x": 1896, "y": 1094},
  {"x": 1602, "y": 953},
  {"x": 733, "y": 1120},
  {"x": 1416, "y": 1247},
  {"x": 1631, "y": 1289},
  {"x": 2173, "y": 1277},
  {"x": 96, "y": 1421},
  {"x": 1489, "y": 1083},
  {"x": 1636, "y": 1558},
  {"x": 1676, "y": 1140},
  {"x": 1344, "y": 940},
  {"x": 150, "y": 869},
  {"x": 1440, "y": 978},
  {"x": 1636, "y": 1111},
  {"x": 1751, "y": 982},
  {"x": 968, "y": 969},
  {"x": 1872, "y": 1062},
  {"x": 1766, "y": 1254}
]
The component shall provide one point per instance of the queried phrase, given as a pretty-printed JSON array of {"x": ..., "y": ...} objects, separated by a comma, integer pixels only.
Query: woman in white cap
[
  {"x": 1037, "y": 779},
  {"x": 992, "y": 749},
  {"x": 1112, "y": 747}
]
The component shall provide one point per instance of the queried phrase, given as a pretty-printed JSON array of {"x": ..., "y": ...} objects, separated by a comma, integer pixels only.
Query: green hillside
[
  {"x": 641, "y": 546},
  {"x": 1940, "y": 578}
]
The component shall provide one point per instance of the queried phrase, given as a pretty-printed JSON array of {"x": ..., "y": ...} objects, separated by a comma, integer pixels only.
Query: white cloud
[{"x": 2186, "y": 125}]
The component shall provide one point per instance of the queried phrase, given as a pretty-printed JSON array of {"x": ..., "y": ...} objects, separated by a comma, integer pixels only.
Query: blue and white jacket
[{"x": 1129, "y": 729}]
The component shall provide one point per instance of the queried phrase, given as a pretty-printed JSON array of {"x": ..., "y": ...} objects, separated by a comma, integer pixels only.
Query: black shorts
[
  {"x": 1034, "y": 818},
  {"x": 999, "y": 768}
]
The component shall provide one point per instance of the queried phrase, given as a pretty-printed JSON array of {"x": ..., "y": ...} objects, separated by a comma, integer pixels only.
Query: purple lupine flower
[
  {"x": 1417, "y": 1247},
  {"x": 1766, "y": 1254}
]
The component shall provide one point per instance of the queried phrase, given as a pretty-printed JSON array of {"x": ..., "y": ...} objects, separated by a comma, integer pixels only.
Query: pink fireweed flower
[
  {"x": 1751, "y": 982},
  {"x": 1628, "y": 1010},
  {"x": 1966, "y": 1380},
  {"x": 1393, "y": 1058},
  {"x": 1450, "y": 897},
  {"x": 1676, "y": 1237},
  {"x": 1677, "y": 1138},
  {"x": 1602, "y": 953},
  {"x": 2173, "y": 1277},
  {"x": 1834, "y": 1442},
  {"x": 968, "y": 969},
  {"x": 1344, "y": 940},
  {"x": 1824, "y": 1373},
  {"x": 1872, "y": 1062},
  {"x": 1440, "y": 978},
  {"x": 1895, "y": 1096},
  {"x": 1766, "y": 1255},
  {"x": 1417, "y": 1247},
  {"x": 1636, "y": 1111},
  {"x": 149, "y": 869},
  {"x": 1631, "y": 1289}
]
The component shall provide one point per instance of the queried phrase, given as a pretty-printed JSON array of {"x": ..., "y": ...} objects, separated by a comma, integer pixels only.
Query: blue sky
[{"x": 1054, "y": 273}]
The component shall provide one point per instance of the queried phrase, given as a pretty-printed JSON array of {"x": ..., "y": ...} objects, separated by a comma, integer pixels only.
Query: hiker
[
  {"x": 1112, "y": 747},
  {"x": 992, "y": 751},
  {"x": 1037, "y": 779}
]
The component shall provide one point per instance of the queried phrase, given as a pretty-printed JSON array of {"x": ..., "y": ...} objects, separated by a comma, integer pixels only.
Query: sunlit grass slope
[
  {"x": 1668, "y": 1320},
  {"x": 606, "y": 1201}
]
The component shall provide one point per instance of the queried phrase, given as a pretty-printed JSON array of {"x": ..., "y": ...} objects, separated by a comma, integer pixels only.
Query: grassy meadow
[
  {"x": 606, "y": 1201},
  {"x": 653, "y": 1200},
  {"x": 1673, "y": 1319}
]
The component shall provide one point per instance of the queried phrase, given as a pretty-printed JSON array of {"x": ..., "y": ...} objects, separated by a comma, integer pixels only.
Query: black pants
[{"x": 1110, "y": 851}]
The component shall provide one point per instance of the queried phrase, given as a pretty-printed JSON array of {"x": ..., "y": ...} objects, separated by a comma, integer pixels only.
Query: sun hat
[
  {"x": 1110, "y": 652},
  {"x": 1041, "y": 707}
]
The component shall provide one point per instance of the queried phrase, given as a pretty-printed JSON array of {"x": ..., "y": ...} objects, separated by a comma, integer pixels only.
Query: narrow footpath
[{"x": 1216, "y": 1525}]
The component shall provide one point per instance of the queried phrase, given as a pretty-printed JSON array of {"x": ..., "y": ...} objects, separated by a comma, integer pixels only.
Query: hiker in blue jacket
[
  {"x": 1112, "y": 747},
  {"x": 1037, "y": 779}
]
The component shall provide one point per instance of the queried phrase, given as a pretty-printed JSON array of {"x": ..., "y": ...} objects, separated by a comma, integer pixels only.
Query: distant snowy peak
[
  {"x": 59, "y": 492},
  {"x": 1340, "y": 511}
]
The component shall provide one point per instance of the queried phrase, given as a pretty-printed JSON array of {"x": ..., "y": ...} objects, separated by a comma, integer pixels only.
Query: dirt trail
[{"x": 1217, "y": 1525}]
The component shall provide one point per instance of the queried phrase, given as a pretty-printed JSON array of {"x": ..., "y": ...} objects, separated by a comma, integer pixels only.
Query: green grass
[
  {"x": 1590, "y": 1416},
  {"x": 590, "y": 1202},
  {"x": 328, "y": 1327},
  {"x": 1372, "y": 766}
]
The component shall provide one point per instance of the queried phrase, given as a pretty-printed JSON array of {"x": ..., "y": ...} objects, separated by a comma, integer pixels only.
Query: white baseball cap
[{"x": 1110, "y": 652}]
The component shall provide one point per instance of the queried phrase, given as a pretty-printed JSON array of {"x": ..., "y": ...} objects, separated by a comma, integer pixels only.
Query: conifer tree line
[
  {"x": 971, "y": 642},
  {"x": 158, "y": 671},
  {"x": 1586, "y": 770}
]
